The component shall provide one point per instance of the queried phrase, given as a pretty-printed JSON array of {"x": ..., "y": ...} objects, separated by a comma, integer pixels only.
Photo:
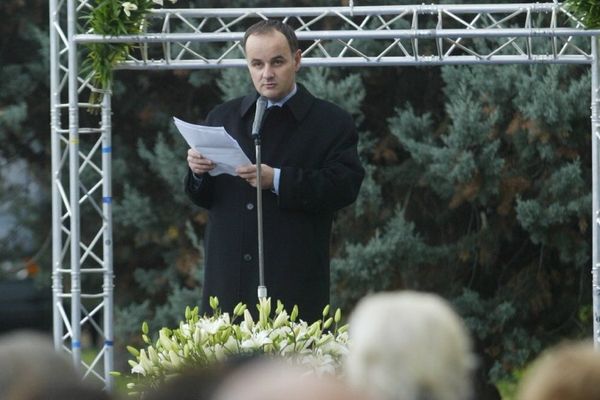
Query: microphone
[{"x": 261, "y": 105}]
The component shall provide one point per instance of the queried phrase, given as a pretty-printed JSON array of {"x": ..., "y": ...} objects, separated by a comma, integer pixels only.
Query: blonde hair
[
  {"x": 409, "y": 346},
  {"x": 570, "y": 371}
]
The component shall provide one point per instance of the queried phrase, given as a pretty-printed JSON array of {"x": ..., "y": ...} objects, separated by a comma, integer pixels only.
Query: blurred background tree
[{"x": 478, "y": 186}]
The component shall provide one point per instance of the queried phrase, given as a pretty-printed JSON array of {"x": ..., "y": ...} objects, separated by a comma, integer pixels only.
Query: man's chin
[{"x": 271, "y": 94}]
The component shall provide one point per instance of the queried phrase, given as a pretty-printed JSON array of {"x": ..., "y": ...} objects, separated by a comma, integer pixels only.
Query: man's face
[{"x": 271, "y": 64}]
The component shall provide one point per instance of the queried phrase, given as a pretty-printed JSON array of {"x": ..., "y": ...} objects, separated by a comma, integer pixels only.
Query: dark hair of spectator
[{"x": 269, "y": 25}]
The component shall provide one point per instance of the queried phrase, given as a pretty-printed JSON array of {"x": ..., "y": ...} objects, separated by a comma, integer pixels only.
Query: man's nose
[{"x": 268, "y": 71}]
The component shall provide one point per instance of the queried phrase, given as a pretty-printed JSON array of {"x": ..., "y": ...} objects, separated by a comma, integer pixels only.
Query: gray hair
[{"x": 409, "y": 346}]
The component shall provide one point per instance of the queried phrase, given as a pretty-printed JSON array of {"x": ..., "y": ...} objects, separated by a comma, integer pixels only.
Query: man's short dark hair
[{"x": 269, "y": 25}]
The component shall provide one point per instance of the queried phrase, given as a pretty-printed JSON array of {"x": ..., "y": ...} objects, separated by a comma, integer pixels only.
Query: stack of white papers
[{"x": 214, "y": 143}]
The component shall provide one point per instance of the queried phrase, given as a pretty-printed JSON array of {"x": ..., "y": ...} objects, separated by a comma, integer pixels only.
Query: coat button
[
  {"x": 247, "y": 257},
  {"x": 250, "y": 206}
]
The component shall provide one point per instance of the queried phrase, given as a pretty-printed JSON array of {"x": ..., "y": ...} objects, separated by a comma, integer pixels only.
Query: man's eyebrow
[{"x": 275, "y": 58}]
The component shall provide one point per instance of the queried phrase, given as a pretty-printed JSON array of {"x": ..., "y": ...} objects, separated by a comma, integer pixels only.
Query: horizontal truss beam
[{"x": 364, "y": 36}]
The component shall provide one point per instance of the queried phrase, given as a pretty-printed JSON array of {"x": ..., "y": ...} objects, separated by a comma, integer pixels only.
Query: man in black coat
[{"x": 309, "y": 170}]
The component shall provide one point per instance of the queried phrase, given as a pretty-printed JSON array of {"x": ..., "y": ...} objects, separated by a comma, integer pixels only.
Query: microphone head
[{"x": 261, "y": 105}]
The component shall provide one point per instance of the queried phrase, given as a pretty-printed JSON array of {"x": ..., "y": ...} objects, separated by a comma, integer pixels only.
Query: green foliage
[
  {"x": 111, "y": 18},
  {"x": 587, "y": 11},
  {"x": 24, "y": 154},
  {"x": 234, "y": 83},
  {"x": 485, "y": 200}
]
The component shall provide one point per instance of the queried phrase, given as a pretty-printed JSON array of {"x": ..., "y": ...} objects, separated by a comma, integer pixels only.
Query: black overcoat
[{"x": 313, "y": 142}]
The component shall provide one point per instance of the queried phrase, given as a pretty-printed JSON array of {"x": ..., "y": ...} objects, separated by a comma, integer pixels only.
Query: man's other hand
[
  {"x": 248, "y": 173},
  {"x": 198, "y": 163}
]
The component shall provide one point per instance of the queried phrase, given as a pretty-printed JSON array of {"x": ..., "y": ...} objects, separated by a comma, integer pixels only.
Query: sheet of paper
[{"x": 215, "y": 144}]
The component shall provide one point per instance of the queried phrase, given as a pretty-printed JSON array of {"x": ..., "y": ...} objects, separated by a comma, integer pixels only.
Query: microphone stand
[{"x": 262, "y": 289}]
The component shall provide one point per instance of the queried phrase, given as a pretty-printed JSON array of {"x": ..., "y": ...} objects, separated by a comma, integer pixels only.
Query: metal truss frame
[{"x": 419, "y": 35}]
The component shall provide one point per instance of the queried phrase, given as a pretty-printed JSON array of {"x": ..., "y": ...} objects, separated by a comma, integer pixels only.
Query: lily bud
[
  {"x": 239, "y": 309},
  {"x": 248, "y": 319},
  {"x": 214, "y": 302},
  {"x": 174, "y": 359},
  {"x": 146, "y": 339},
  {"x": 294, "y": 314},
  {"x": 326, "y": 310},
  {"x": 133, "y": 351},
  {"x": 279, "y": 308},
  {"x": 153, "y": 355}
]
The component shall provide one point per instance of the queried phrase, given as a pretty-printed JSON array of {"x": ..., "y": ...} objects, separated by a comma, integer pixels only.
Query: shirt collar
[
  {"x": 299, "y": 103},
  {"x": 281, "y": 102}
]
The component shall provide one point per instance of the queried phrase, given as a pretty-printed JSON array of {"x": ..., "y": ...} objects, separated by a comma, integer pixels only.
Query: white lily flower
[
  {"x": 285, "y": 347},
  {"x": 145, "y": 361},
  {"x": 173, "y": 1},
  {"x": 185, "y": 330},
  {"x": 278, "y": 333},
  {"x": 128, "y": 7},
  {"x": 198, "y": 336},
  {"x": 138, "y": 369},
  {"x": 211, "y": 327},
  {"x": 219, "y": 352},
  {"x": 281, "y": 319},
  {"x": 159, "y": 2},
  {"x": 231, "y": 345},
  {"x": 164, "y": 340},
  {"x": 334, "y": 348},
  {"x": 257, "y": 340}
]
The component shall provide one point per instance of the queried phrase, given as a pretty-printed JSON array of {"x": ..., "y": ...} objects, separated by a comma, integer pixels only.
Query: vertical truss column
[
  {"x": 595, "y": 190},
  {"x": 82, "y": 255},
  {"x": 108, "y": 282},
  {"x": 75, "y": 226},
  {"x": 57, "y": 287}
]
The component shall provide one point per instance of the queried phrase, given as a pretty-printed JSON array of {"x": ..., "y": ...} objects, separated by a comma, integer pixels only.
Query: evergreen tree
[
  {"x": 24, "y": 133},
  {"x": 497, "y": 190}
]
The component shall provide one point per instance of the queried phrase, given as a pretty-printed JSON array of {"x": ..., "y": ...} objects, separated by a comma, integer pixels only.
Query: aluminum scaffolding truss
[{"x": 541, "y": 33}]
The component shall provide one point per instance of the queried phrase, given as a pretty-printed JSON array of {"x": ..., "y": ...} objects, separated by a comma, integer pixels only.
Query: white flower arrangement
[{"x": 200, "y": 341}]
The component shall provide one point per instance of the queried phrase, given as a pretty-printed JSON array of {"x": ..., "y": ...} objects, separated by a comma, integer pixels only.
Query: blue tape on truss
[
  {"x": 109, "y": 343},
  {"x": 76, "y": 344},
  {"x": 107, "y": 149},
  {"x": 107, "y": 200}
]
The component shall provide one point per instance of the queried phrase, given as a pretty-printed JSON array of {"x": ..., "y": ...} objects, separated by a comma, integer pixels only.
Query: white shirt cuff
[{"x": 276, "y": 175}]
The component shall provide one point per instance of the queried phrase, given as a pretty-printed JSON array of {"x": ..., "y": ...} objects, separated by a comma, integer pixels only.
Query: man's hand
[
  {"x": 248, "y": 173},
  {"x": 198, "y": 163}
]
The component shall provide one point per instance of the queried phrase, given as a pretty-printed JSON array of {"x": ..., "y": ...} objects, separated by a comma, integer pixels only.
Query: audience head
[
  {"x": 193, "y": 384},
  {"x": 409, "y": 346},
  {"x": 570, "y": 371},
  {"x": 29, "y": 363},
  {"x": 278, "y": 380}
]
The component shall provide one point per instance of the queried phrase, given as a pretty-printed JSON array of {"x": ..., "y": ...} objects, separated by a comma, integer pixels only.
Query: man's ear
[{"x": 297, "y": 59}]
